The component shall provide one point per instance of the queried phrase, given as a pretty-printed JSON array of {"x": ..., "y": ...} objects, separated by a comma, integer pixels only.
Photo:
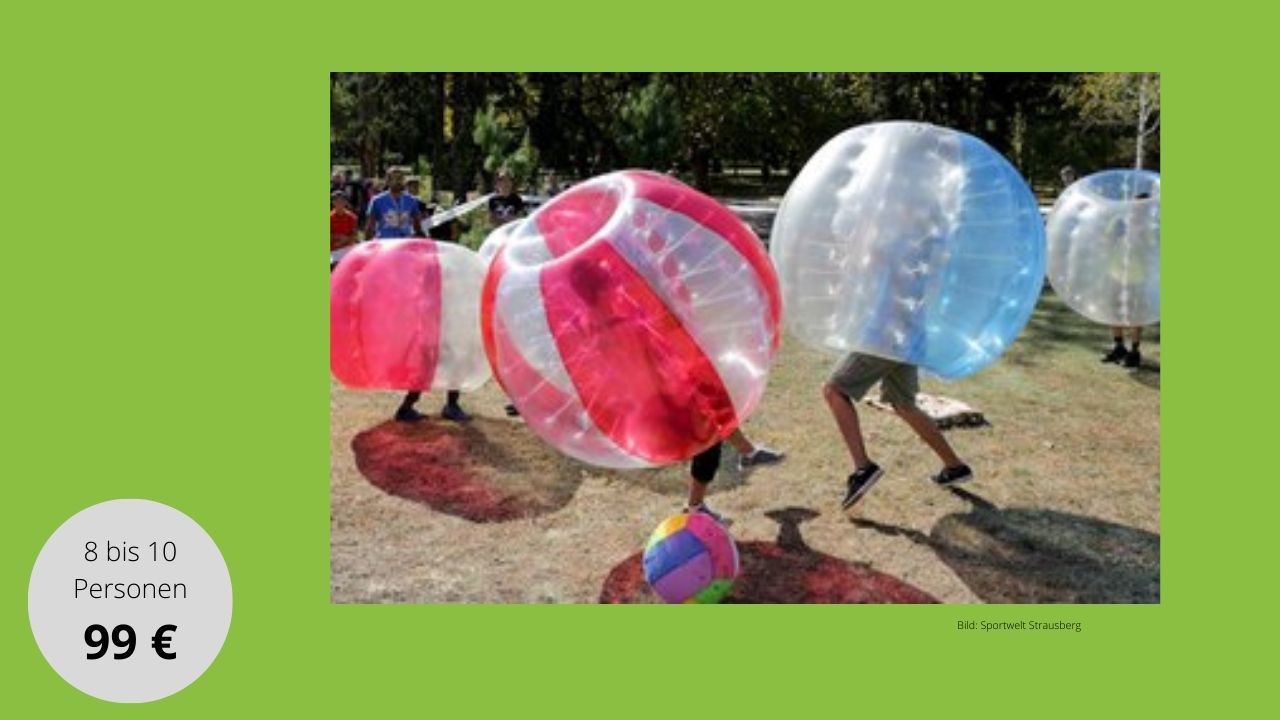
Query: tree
[
  {"x": 495, "y": 133},
  {"x": 648, "y": 126},
  {"x": 1119, "y": 100}
]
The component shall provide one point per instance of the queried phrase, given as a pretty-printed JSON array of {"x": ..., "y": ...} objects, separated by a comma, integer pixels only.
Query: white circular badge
[{"x": 130, "y": 600}]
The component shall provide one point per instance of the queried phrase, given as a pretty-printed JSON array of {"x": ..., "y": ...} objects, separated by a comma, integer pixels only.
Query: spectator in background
[
  {"x": 553, "y": 185},
  {"x": 505, "y": 206},
  {"x": 1068, "y": 176},
  {"x": 413, "y": 186},
  {"x": 342, "y": 227},
  {"x": 393, "y": 213},
  {"x": 357, "y": 195}
]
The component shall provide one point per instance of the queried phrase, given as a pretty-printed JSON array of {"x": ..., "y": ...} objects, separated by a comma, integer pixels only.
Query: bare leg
[
  {"x": 847, "y": 420},
  {"x": 741, "y": 443},
  {"x": 1135, "y": 334},
  {"x": 929, "y": 433}
]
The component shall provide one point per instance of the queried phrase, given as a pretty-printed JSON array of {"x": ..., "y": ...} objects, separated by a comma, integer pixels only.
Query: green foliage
[
  {"x": 648, "y": 126},
  {"x": 468, "y": 125},
  {"x": 1119, "y": 101},
  {"x": 495, "y": 133}
]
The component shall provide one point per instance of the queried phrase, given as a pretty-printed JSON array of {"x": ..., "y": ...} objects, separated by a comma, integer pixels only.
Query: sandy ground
[{"x": 1065, "y": 507}]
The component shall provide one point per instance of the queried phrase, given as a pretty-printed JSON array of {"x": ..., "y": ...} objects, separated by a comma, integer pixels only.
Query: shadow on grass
[
  {"x": 1033, "y": 555},
  {"x": 785, "y": 571},
  {"x": 1054, "y": 325},
  {"x": 486, "y": 470},
  {"x": 1147, "y": 374}
]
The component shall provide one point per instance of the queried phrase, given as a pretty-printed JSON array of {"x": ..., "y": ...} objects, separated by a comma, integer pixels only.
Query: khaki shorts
[{"x": 857, "y": 372}]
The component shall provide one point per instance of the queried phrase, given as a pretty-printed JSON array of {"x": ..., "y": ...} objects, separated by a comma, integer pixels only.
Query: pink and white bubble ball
[
  {"x": 405, "y": 315},
  {"x": 632, "y": 320}
]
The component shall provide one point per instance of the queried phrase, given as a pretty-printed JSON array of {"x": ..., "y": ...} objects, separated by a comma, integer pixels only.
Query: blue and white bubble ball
[
  {"x": 1104, "y": 247},
  {"x": 912, "y": 242}
]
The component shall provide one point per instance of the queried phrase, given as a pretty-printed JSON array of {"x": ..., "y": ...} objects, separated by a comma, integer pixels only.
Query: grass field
[{"x": 1065, "y": 508}]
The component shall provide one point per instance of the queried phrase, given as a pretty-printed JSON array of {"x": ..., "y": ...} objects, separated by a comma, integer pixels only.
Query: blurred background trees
[{"x": 729, "y": 133}]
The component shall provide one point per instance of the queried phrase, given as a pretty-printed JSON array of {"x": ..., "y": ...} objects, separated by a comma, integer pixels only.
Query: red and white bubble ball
[
  {"x": 405, "y": 315},
  {"x": 632, "y": 320}
]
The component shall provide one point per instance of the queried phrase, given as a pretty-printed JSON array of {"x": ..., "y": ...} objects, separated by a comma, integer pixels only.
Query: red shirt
[{"x": 341, "y": 222}]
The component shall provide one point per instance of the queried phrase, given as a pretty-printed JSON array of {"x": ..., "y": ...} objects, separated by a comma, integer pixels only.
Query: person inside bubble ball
[
  {"x": 1131, "y": 357},
  {"x": 899, "y": 383},
  {"x": 395, "y": 213},
  {"x": 703, "y": 468}
]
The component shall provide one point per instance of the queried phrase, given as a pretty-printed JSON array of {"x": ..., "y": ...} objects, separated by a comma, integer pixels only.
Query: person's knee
[
  {"x": 903, "y": 409},
  {"x": 831, "y": 392}
]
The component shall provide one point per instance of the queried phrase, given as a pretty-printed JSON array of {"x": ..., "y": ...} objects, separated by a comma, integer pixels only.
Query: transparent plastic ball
[
  {"x": 912, "y": 242},
  {"x": 632, "y": 320},
  {"x": 405, "y": 315},
  {"x": 1104, "y": 247}
]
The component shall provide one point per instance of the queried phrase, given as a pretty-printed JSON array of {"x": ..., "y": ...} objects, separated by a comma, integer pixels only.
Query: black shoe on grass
[
  {"x": 454, "y": 413},
  {"x": 859, "y": 483},
  {"x": 953, "y": 475},
  {"x": 762, "y": 456},
  {"x": 1117, "y": 354},
  {"x": 1133, "y": 358},
  {"x": 409, "y": 414}
]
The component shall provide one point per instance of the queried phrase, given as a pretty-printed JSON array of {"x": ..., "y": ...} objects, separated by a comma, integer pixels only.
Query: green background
[{"x": 165, "y": 337}]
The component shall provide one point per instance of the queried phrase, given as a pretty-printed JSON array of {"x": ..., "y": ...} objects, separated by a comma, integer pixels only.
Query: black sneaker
[
  {"x": 1133, "y": 358},
  {"x": 859, "y": 483},
  {"x": 454, "y": 413},
  {"x": 409, "y": 414},
  {"x": 954, "y": 475},
  {"x": 762, "y": 456},
  {"x": 1117, "y": 354}
]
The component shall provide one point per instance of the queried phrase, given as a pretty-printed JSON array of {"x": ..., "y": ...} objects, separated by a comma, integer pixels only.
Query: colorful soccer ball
[
  {"x": 405, "y": 315},
  {"x": 912, "y": 242},
  {"x": 690, "y": 558},
  {"x": 632, "y": 320}
]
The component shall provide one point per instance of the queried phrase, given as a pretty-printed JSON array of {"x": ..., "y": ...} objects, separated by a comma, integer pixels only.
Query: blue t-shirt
[{"x": 393, "y": 216}]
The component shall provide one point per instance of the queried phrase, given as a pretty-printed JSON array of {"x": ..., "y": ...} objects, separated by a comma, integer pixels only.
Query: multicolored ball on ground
[
  {"x": 690, "y": 558},
  {"x": 632, "y": 320}
]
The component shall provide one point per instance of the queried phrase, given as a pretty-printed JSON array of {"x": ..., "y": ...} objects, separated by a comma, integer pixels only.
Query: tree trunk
[
  {"x": 1142, "y": 121},
  {"x": 438, "y": 173}
]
